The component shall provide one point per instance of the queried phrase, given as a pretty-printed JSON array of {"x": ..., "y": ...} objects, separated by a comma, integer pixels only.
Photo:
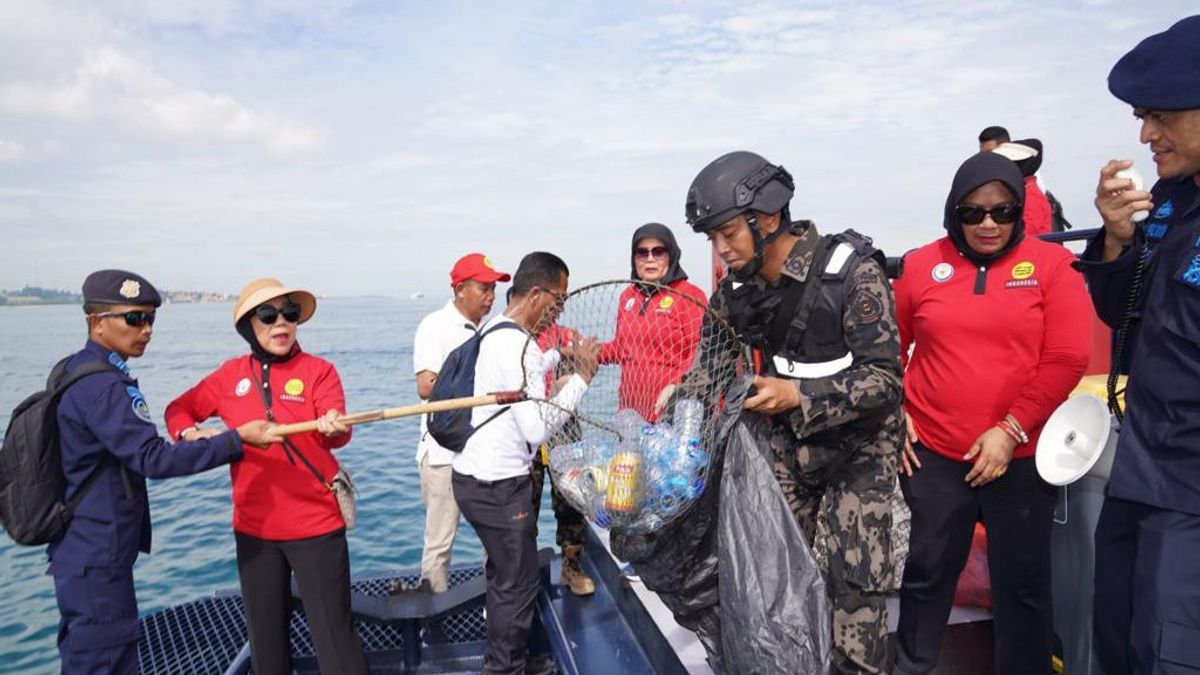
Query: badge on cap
[
  {"x": 487, "y": 262},
  {"x": 130, "y": 289}
]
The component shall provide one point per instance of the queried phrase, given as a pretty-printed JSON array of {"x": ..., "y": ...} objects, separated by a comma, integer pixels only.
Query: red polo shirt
[
  {"x": 655, "y": 342},
  {"x": 1018, "y": 346},
  {"x": 272, "y": 497}
]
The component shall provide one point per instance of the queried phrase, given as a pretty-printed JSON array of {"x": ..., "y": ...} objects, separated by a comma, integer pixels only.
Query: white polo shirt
[
  {"x": 437, "y": 335},
  {"x": 503, "y": 448}
]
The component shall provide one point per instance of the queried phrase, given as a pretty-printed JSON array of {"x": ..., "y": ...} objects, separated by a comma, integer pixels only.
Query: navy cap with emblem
[
  {"x": 1163, "y": 71},
  {"x": 118, "y": 287}
]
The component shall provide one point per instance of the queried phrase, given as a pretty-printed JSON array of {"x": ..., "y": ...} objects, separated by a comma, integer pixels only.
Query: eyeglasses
[
  {"x": 645, "y": 253},
  {"x": 269, "y": 313},
  {"x": 1003, "y": 214},
  {"x": 559, "y": 298},
  {"x": 135, "y": 319}
]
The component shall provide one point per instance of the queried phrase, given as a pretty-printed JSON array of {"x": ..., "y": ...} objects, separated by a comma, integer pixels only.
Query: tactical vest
[{"x": 798, "y": 325}]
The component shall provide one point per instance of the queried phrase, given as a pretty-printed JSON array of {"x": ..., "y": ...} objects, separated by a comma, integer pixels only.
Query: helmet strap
[{"x": 752, "y": 268}]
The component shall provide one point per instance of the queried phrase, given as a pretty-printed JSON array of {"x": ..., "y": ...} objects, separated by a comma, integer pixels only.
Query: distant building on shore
[{"x": 33, "y": 295}]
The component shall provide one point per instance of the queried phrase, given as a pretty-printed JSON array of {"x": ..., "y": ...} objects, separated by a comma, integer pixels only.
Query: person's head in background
[{"x": 990, "y": 137}]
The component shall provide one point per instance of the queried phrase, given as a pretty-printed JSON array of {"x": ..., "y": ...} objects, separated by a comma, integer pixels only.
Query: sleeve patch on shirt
[
  {"x": 1191, "y": 275},
  {"x": 867, "y": 308},
  {"x": 138, "y": 404}
]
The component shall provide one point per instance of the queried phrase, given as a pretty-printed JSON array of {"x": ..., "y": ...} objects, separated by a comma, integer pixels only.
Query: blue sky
[{"x": 362, "y": 147}]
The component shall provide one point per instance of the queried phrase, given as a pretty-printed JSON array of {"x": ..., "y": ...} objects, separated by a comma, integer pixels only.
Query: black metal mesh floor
[{"x": 204, "y": 636}]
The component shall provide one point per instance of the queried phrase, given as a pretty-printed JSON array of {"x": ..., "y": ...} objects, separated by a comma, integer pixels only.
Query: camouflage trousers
[
  {"x": 843, "y": 500},
  {"x": 570, "y": 522}
]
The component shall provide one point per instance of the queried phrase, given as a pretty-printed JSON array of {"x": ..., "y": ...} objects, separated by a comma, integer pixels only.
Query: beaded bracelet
[
  {"x": 1011, "y": 434},
  {"x": 1013, "y": 431}
]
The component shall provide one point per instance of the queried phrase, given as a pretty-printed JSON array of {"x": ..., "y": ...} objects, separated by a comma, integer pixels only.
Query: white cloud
[
  {"x": 112, "y": 86},
  {"x": 12, "y": 152}
]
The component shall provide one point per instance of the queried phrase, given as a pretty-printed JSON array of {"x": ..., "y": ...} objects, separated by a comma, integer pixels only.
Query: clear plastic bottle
[{"x": 689, "y": 417}]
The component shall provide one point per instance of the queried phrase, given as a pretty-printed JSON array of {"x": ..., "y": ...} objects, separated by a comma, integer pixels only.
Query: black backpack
[
  {"x": 456, "y": 379},
  {"x": 1058, "y": 222},
  {"x": 33, "y": 505}
]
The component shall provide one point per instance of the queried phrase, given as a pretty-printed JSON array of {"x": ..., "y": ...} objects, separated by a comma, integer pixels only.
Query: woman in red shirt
[
  {"x": 285, "y": 518},
  {"x": 659, "y": 317},
  {"x": 998, "y": 324}
]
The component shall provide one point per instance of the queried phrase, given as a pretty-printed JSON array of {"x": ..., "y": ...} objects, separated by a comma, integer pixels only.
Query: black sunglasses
[
  {"x": 134, "y": 319},
  {"x": 1002, "y": 214},
  {"x": 269, "y": 313},
  {"x": 656, "y": 252}
]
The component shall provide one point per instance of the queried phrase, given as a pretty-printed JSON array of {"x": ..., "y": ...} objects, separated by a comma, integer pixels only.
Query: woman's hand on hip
[
  {"x": 991, "y": 452},
  {"x": 908, "y": 456}
]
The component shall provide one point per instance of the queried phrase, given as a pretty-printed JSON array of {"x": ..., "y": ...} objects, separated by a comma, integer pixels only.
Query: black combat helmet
[
  {"x": 735, "y": 183},
  {"x": 740, "y": 183}
]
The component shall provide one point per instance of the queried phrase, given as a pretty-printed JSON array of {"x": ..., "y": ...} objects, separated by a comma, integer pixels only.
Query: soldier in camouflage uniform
[{"x": 818, "y": 312}]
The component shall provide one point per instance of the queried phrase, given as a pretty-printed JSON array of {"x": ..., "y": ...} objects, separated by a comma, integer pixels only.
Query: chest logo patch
[
  {"x": 942, "y": 272},
  {"x": 243, "y": 387},
  {"x": 666, "y": 303},
  {"x": 1022, "y": 270},
  {"x": 1165, "y": 211},
  {"x": 293, "y": 387},
  {"x": 629, "y": 304}
]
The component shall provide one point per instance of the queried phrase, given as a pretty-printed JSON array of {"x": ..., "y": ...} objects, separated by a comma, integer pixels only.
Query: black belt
[{"x": 487, "y": 483}]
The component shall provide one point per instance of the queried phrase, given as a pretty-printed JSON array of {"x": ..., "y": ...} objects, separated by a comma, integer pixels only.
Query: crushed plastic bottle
[{"x": 642, "y": 479}]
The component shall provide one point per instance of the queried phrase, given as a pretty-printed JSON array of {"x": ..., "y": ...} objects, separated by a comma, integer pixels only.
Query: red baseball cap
[{"x": 476, "y": 266}]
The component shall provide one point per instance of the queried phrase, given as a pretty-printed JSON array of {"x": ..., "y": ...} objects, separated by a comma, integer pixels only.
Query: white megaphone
[{"x": 1078, "y": 440}]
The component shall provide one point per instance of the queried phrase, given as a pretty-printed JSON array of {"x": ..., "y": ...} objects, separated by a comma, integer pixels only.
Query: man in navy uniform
[
  {"x": 104, "y": 419},
  {"x": 1147, "y": 584}
]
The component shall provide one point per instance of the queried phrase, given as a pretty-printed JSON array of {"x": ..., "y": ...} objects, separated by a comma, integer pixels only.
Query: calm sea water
[{"x": 369, "y": 340}]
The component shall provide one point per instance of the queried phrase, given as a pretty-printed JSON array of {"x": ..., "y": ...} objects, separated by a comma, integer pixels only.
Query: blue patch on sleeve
[
  {"x": 140, "y": 409},
  {"x": 1192, "y": 274}
]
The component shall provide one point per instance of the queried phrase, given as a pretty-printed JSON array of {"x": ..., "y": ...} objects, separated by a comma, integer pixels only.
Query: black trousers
[
  {"x": 1147, "y": 602},
  {"x": 322, "y": 568},
  {"x": 502, "y": 514},
  {"x": 1017, "y": 509}
]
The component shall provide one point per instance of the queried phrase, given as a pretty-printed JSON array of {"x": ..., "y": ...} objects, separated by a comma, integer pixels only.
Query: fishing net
[{"x": 636, "y": 453}]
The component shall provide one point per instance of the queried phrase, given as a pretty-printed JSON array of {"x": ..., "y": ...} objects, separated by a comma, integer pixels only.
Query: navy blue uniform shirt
[
  {"x": 105, "y": 415},
  {"x": 1158, "y": 455}
]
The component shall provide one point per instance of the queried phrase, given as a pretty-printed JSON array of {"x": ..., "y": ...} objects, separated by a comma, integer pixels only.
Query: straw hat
[{"x": 261, "y": 290}]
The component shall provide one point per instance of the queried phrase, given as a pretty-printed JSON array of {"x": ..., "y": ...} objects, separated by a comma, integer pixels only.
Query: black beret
[
  {"x": 1163, "y": 71},
  {"x": 118, "y": 287}
]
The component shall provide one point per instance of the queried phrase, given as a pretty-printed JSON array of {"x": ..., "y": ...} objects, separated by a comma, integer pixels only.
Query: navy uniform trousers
[
  {"x": 98, "y": 624},
  {"x": 1155, "y": 630}
]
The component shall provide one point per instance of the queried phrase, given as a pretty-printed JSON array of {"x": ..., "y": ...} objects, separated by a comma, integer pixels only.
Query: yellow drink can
[{"x": 624, "y": 470}]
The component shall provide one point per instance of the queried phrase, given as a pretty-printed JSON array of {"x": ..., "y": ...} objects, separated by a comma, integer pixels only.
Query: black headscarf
[
  {"x": 1030, "y": 165},
  {"x": 979, "y": 170},
  {"x": 663, "y": 233}
]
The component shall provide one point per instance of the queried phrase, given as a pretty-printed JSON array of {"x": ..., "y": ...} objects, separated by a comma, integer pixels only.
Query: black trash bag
[
  {"x": 708, "y": 566},
  {"x": 773, "y": 602},
  {"x": 679, "y": 562}
]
